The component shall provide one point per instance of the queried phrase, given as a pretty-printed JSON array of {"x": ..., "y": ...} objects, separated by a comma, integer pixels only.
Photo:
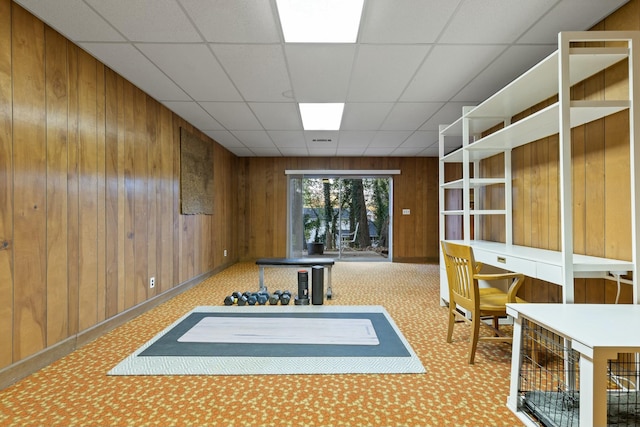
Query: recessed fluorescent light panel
[
  {"x": 320, "y": 21},
  {"x": 324, "y": 116}
]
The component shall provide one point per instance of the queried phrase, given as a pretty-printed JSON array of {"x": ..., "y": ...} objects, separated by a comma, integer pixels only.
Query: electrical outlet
[
  {"x": 152, "y": 282},
  {"x": 225, "y": 252}
]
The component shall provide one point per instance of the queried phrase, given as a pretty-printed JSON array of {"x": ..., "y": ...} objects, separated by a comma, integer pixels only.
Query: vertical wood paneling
[
  {"x": 129, "y": 195},
  {"x": 111, "y": 193},
  {"x": 6, "y": 188},
  {"x": 29, "y": 154},
  {"x": 101, "y": 189},
  {"x": 165, "y": 239},
  {"x": 121, "y": 230},
  {"x": 88, "y": 196},
  {"x": 141, "y": 203},
  {"x": 264, "y": 199},
  {"x": 57, "y": 255},
  {"x": 92, "y": 164},
  {"x": 73, "y": 189},
  {"x": 153, "y": 149}
]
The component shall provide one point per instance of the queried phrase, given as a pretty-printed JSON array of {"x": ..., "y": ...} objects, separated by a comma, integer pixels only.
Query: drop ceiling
[{"x": 222, "y": 65}]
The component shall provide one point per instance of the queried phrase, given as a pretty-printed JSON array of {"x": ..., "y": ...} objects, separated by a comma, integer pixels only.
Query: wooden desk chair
[{"x": 463, "y": 274}]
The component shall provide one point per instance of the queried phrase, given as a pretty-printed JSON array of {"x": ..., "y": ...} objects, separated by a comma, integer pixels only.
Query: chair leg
[
  {"x": 452, "y": 321},
  {"x": 473, "y": 342}
]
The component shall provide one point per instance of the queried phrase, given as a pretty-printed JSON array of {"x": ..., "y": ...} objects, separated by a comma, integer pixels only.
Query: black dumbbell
[
  {"x": 285, "y": 298},
  {"x": 274, "y": 298},
  {"x": 263, "y": 297},
  {"x": 247, "y": 293},
  {"x": 236, "y": 294},
  {"x": 252, "y": 300},
  {"x": 229, "y": 300},
  {"x": 242, "y": 300}
]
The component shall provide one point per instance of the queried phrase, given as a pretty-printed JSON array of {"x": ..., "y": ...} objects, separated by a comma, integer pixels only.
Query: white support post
[
  {"x": 566, "y": 198},
  {"x": 634, "y": 155}
]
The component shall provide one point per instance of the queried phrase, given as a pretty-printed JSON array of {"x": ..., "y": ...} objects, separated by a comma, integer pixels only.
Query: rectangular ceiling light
[
  {"x": 324, "y": 116},
  {"x": 320, "y": 21}
]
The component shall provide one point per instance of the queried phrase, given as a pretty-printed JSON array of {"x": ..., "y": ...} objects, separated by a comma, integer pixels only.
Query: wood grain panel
[
  {"x": 129, "y": 195},
  {"x": 165, "y": 238},
  {"x": 73, "y": 189},
  {"x": 88, "y": 196},
  {"x": 141, "y": 203},
  {"x": 111, "y": 193},
  {"x": 266, "y": 221},
  {"x": 29, "y": 153},
  {"x": 101, "y": 190},
  {"x": 85, "y": 210},
  {"x": 153, "y": 149},
  {"x": 617, "y": 187},
  {"x": 57, "y": 255},
  {"x": 6, "y": 188}
]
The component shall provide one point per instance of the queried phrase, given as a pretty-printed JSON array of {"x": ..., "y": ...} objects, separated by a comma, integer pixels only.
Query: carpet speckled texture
[{"x": 76, "y": 391}]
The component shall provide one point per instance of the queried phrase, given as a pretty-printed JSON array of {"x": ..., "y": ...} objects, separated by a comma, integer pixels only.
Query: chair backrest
[
  {"x": 355, "y": 233},
  {"x": 460, "y": 265}
]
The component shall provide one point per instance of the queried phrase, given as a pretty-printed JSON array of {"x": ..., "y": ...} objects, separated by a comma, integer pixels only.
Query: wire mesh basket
[{"x": 549, "y": 381}]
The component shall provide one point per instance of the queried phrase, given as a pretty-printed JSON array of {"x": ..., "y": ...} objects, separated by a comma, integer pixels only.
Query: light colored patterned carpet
[{"x": 75, "y": 391}]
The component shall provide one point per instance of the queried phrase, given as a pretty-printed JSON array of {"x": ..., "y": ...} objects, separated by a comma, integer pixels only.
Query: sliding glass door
[{"x": 343, "y": 217}]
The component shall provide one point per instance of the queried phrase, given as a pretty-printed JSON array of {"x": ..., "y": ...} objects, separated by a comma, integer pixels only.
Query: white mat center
[{"x": 282, "y": 330}]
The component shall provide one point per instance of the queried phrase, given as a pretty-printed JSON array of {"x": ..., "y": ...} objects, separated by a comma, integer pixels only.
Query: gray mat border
[{"x": 197, "y": 365}]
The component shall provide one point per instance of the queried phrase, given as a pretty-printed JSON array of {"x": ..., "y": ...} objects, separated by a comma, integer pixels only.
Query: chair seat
[{"x": 492, "y": 299}]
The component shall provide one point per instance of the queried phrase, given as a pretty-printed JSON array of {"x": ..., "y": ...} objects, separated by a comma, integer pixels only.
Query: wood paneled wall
[
  {"x": 263, "y": 203},
  {"x": 89, "y": 193},
  {"x": 601, "y": 184}
]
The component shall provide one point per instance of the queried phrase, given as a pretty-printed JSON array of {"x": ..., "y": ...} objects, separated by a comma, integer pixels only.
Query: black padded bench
[{"x": 327, "y": 263}]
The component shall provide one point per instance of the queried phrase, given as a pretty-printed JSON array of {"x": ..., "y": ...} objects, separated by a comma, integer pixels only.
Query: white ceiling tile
[
  {"x": 414, "y": 21},
  {"x": 74, "y": 19},
  {"x": 381, "y": 73},
  {"x": 417, "y": 52},
  {"x": 410, "y": 115},
  {"x": 569, "y": 15},
  {"x": 127, "y": 61},
  {"x": 194, "y": 114},
  {"x": 287, "y": 139},
  {"x": 277, "y": 115},
  {"x": 493, "y": 21},
  {"x": 389, "y": 138},
  {"x": 407, "y": 151},
  {"x": 421, "y": 139},
  {"x": 446, "y": 115},
  {"x": 356, "y": 139},
  {"x": 144, "y": 20},
  {"x": 258, "y": 71},
  {"x": 430, "y": 152},
  {"x": 224, "y": 21},
  {"x": 320, "y": 72},
  {"x": 447, "y": 69},
  {"x": 254, "y": 138},
  {"x": 224, "y": 138},
  {"x": 320, "y": 137},
  {"x": 317, "y": 151},
  {"x": 194, "y": 68},
  {"x": 511, "y": 64},
  {"x": 365, "y": 116},
  {"x": 232, "y": 115}
]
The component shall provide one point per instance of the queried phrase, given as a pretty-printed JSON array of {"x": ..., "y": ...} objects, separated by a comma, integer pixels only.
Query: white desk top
[
  {"x": 581, "y": 263},
  {"x": 593, "y": 325}
]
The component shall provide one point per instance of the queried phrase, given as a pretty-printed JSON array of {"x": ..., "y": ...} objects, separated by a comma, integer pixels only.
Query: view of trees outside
[{"x": 333, "y": 206}]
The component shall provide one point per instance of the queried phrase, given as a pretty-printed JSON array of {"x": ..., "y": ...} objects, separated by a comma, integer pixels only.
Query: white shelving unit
[{"x": 462, "y": 142}]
